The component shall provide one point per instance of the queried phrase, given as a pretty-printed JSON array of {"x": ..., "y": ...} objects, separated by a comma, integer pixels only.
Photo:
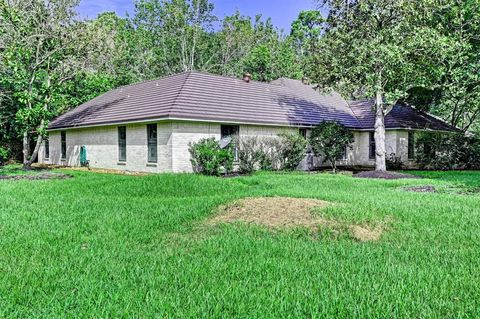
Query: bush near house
[
  {"x": 249, "y": 154},
  {"x": 292, "y": 150},
  {"x": 329, "y": 140},
  {"x": 283, "y": 152},
  {"x": 394, "y": 162},
  {"x": 448, "y": 151},
  {"x": 208, "y": 158}
]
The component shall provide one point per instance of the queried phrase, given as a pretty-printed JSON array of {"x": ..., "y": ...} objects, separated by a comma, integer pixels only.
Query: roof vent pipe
[{"x": 247, "y": 77}]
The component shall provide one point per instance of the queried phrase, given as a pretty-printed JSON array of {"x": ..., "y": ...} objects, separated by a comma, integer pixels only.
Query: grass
[{"x": 103, "y": 245}]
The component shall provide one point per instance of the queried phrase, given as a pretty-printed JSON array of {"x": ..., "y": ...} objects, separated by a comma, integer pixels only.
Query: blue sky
[{"x": 282, "y": 12}]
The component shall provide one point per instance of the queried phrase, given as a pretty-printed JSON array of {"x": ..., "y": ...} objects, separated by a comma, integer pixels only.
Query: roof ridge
[
  {"x": 152, "y": 80},
  {"x": 179, "y": 92}
]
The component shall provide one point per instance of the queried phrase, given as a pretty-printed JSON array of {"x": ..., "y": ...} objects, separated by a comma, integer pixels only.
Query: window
[
  {"x": 371, "y": 150},
  {"x": 152, "y": 142},
  {"x": 64, "y": 144},
  {"x": 231, "y": 131},
  {"x": 303, "y": 132},
  {"x": 122, "y": 143},
  {"x": 411, "y": 145},
  {"x": 47, "y": 147},
  {"x": 344, "y": 152}
]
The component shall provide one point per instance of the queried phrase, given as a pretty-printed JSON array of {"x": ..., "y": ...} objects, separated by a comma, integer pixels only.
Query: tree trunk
[
  {"x": 26, "y": 147},
  {"x": 28, "y": 163},
  {"x": 380, "y": 147}
]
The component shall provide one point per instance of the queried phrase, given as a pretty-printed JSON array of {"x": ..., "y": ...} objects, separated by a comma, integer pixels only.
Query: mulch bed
[
  {"x": 32, "y": 177},
  {"x": 384, "y": 175}
]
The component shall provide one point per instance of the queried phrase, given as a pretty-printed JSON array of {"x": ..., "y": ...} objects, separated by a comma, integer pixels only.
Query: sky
[{"x": 282, "y": 12}]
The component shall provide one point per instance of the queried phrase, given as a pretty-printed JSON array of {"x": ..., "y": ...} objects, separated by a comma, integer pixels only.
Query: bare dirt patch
[
  {"x": 421, "y": 189},
  {"x": 274, "y": 212},
  {"x": 385, "y": 175},
  {"x": 36, "y": 176},
  {"x": 288, "y": 213}
]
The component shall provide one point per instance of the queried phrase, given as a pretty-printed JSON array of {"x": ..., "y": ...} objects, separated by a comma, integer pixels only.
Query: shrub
[
  {"x": 270, "y": 154},
  {"x": 394, "y": 162},
  {"x": 209, "y": 159},
  {"x": 249, "y": 154},
  {"x": 329, "y": 139},
  {"x": 293, "y": 147},
  {"x": 448, "y": 151},
  {"x": 4, "y": 154}
]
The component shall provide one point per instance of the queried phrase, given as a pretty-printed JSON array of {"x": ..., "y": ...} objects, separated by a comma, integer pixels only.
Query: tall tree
[
  {"x": 375, "y": 49},
  {"x": 176, "y": 32},
  {"x": 456, "y": 97},
  {"x": 41, "y": 39},
  {"x": 305, "y": 35}
]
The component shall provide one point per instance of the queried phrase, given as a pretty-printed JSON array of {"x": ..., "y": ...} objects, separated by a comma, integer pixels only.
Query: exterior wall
[
  {"x": 396, "y": 143},
  {"x": 184, "y": 133},
  {"x": 173, "y": 143},
  {"x": 102, "y": 148},
  {"x": 402, "y": 149}
]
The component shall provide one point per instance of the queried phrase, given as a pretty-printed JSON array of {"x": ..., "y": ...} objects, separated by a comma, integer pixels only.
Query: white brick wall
[
  {"x": 173, "y": 141},
  {"x": 102, "y": 148}
]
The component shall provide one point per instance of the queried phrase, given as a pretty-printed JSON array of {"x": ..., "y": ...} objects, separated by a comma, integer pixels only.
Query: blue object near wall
[{"x": 83, "y": 157}]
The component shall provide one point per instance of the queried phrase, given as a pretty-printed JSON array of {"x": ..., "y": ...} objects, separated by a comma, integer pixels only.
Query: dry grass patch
[
  {"x": 274, "y": 212},
  {"x": 287, "y": 213}
]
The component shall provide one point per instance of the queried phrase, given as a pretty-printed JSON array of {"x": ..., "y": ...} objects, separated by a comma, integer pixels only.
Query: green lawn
[{"x": 102, "y": 246}]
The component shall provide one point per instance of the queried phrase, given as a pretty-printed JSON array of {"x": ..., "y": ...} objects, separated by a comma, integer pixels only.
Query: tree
[
  {"x": 176, "y": 33},
  {"x": 305, "y": 35},
  {"x": 42, "y": 42},
  {"x": 376, "y": 49},
  {"x": 456, "y": 97},
  {"x": 330, "y": 140}
]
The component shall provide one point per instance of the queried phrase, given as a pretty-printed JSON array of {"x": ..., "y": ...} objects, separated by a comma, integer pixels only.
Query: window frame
[
  {"x": 152, "y": 142},
  {"x": 46, "y": 152},
  {"x": 303, "y": 132},
  {"x": 411, "y": 145},
  {"x": 371, "y": 146},
  {"x": 234, "y": 133},
  {"x": 344, "y": 154},
  {"x": 63, "y": 144},
  {"x": 122, "y": 144}
]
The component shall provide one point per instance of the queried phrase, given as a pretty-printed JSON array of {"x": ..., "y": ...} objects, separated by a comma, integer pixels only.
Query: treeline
[
  {"x": 423, "y": 52},
  {"x": 52, "y": 61}
]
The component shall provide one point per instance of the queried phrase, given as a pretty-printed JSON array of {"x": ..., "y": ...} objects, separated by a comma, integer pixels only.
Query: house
[{"x": 148, "y": 126}]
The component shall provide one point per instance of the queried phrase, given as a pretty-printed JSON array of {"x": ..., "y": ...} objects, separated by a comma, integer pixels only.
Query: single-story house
[{"x": 148, "y": 126}]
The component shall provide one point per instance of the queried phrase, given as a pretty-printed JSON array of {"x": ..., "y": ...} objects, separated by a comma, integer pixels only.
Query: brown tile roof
[
  {"x": 401, "y": 116},
  {"x": 207, "y": 97}
]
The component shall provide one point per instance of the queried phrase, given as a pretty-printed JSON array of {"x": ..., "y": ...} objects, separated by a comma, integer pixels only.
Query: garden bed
[
  {"x": 41, "y": 176},
  {"x": 385, "y": 175}
]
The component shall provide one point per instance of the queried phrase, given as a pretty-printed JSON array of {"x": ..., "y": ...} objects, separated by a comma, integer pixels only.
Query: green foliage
[
  {"x": 284, "y": 152},
  {"x": 448, "y": 151},
  {"x": 305, "y": 35},
  {"x": 329, "y": 140},
  {"x": 270, "y": 61},
  {"x": 4, "y": 155},
  {"x": 293, "y": 150},
  {"x": 394, "y": 162},
  {"x": 249, "y": 154},
  {"x": 209, "y": 159}
]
